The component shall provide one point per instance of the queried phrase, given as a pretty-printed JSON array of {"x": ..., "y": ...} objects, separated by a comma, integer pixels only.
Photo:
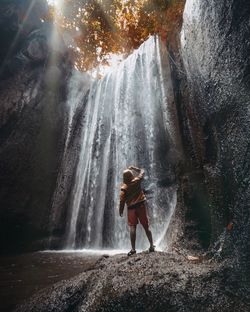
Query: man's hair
[{"x": 127, "y": 176}]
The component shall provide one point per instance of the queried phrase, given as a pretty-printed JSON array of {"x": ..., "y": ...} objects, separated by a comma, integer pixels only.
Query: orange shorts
[{"x": 137, "y": 213}]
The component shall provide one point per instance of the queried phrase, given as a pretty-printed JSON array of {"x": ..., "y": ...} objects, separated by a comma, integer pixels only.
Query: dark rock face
[
  {"x": 61, "y": 201},
  {"x": 213, "y": 99},
  {"x": 18, "y": 20},
  {"x": 32, "y": 123}
]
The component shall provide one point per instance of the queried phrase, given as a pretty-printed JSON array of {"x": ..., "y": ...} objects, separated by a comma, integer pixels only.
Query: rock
[
  {"x": 32, "y": 124},
  {"x": 194, "y": 259},
  {"x": 37, "y": 49},
  {"x": 158, "y": 282},
  {"x": 212, "y": 81},
  {"x": 17, "y": 20},
  {"x": 27, "y": 38}
]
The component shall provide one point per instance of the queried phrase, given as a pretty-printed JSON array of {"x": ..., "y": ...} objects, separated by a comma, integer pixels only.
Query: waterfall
[{"x": 125, "y": 123}]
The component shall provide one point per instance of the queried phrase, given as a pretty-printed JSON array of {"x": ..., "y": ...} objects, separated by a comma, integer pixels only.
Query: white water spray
[{"x": 126, "y": 123}]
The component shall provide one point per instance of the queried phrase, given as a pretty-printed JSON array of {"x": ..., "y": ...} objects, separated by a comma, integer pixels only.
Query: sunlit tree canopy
[{"x": 100, "y": 28}]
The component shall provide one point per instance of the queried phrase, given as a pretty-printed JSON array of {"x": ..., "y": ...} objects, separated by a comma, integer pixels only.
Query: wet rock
[
  {"x": 213, "y": 98},
  {"x": 27, "y": 38},
  {"x": 32, "y": 123},
  {"x": 37, "y": 49},
  {"x": 158, "y": 282},
  {"x": 15, "y": 28}
]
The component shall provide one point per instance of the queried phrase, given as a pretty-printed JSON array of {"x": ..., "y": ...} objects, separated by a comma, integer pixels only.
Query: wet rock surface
[
  {"x": 33, "y": 119},
  {"x": 211, "y": 77},
  {"x": 19, "y": 20},
  {"x": 144, "y": 282}
]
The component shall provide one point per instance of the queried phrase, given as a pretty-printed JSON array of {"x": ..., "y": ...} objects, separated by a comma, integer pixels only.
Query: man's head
[{"x": 127, "y": 176}]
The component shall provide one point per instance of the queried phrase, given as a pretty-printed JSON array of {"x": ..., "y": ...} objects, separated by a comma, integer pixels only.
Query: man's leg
[
  {"x": 142, "y": 215},
  {"x": 132, "y": 229},
  {"x": 149, "y": 234}
]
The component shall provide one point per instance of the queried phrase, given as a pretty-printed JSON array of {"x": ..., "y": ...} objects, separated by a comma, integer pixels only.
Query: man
[{"x": 132, "y": 194}]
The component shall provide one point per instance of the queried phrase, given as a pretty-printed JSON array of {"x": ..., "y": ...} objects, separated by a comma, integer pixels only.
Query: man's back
[{"x": 133, "y": 192}]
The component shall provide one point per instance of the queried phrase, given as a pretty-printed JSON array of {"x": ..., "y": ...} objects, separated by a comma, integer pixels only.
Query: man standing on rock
[{"x": 132, "y": 194}]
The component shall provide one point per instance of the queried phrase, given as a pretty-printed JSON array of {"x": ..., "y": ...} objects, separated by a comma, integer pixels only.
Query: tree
[{"x": 102, "y": 27}]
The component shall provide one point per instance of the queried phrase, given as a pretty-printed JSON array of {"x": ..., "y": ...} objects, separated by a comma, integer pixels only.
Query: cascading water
[{"x": 126, "y": 123}]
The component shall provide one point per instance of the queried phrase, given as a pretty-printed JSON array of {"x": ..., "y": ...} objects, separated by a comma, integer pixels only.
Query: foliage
[{"x": 102, "y": 27}]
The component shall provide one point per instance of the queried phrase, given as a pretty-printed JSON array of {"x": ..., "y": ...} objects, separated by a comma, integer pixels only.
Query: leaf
[{"x": 107, "y": 27}]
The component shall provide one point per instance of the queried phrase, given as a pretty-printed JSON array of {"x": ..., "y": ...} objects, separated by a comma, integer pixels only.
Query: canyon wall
[
  {"x": 33, "y": 74},
  {"x": 212, "y": 91}
]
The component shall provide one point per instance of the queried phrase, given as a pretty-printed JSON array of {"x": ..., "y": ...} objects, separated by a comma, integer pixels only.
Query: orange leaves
[{"x": 118, "y": 26}]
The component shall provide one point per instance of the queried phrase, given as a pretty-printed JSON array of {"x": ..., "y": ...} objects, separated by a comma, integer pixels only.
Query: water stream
[{"x": 125, "y": 123}]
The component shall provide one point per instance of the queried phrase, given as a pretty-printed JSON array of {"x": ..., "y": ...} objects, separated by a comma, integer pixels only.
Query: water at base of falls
[
  {"x": 125, "y": 124},
  {"x": 89, "y": 251}
]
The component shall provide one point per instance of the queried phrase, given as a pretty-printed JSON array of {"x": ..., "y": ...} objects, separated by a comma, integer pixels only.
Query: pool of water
[{"x": 23, "y": 275}]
